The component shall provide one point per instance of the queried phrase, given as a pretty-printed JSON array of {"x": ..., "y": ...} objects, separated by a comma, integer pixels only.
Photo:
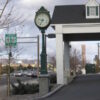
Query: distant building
[{"x": 83, "y": 55}]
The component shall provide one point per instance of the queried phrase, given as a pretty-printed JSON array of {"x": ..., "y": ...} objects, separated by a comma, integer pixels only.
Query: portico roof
[{"x": 71, "y": 14}]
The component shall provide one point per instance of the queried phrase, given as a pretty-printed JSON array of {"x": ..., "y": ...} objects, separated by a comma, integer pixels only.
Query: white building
[{"x": 73, "y": 23}]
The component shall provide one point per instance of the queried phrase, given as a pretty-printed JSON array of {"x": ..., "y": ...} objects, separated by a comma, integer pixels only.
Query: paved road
[{"x": 82, "y": 88}]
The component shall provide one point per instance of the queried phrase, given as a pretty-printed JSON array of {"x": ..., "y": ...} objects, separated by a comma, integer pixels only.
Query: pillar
[
  {"x": 67, "y": 77},
  {"x": 59, "y": 59}
]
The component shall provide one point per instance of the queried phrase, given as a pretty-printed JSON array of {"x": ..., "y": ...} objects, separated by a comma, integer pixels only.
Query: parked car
[
  {"x": 51, "y": 73},
  {"x": 18, "y": 73},
  {"x": 25, "y": 73},
  {"x": 31, "y": 73},
  {"x": 34, "y": 73}
]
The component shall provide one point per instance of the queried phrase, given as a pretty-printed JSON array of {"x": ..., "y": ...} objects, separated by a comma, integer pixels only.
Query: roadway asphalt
[{"x": 82, "y": 88}]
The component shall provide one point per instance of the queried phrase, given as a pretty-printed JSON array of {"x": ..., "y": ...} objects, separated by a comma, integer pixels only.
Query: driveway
[{"x": 82, "y": 88}]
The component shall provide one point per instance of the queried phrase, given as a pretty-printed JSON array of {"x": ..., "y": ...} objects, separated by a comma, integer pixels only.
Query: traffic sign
[{"x": 10, "y": 40}]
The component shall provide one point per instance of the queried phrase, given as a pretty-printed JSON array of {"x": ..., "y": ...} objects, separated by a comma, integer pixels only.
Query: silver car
[{"x": 18, "y": 73}]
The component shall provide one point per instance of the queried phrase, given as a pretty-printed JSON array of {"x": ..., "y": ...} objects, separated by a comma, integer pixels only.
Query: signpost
[{"x": 10, "y": 41}]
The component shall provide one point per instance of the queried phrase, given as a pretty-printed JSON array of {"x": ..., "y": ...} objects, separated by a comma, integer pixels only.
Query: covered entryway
[{"x": 73, "y": 23}]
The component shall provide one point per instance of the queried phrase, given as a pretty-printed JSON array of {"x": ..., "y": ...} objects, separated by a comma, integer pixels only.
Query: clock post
[
  {"x": 42, "y": 21},
  {"x": 43, "y": 55}
]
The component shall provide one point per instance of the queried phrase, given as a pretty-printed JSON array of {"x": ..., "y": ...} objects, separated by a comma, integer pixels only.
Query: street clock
[{"x": 42, "y": 19}]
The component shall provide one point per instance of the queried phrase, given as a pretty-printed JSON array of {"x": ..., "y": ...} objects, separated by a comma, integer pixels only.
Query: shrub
[
  {"x": 22, "y": 88},
  {"x": 53, "y": 79},
  {"x": 11, "y": 69}
]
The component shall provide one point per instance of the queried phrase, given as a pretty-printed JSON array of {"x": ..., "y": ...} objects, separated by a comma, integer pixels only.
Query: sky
[{"x": 26, "y": 9}]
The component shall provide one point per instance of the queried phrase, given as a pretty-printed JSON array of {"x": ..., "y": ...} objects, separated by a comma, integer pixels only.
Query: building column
[
  {"x": 59, "y": 59},
  {"x": 67, "y": 76}
]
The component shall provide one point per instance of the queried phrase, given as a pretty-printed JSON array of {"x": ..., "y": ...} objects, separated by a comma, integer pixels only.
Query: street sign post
[{"x": 10, "y": 40}]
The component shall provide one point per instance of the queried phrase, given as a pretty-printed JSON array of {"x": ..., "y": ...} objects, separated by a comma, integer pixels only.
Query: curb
[{"x": 50, "y": 93}]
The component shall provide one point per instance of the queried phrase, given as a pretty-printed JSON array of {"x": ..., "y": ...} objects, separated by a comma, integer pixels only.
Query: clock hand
[{"x": 41, "y": 21}]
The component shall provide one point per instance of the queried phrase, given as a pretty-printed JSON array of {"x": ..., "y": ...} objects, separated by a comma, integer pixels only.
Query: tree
[
  {"x": 20, "y": 67},
  {"x": 4, "y": 7},
  {"x": 9, "y": 19},
  {"x": 29, "y": 66},
  {"x": 7, "y": 16}
]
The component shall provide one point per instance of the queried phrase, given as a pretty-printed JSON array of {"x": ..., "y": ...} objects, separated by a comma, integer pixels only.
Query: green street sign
[{"x": 10, "y": 40}]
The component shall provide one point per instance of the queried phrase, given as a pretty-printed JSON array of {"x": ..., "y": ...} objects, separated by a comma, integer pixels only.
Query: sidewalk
[{"x": 3, "y": 91}]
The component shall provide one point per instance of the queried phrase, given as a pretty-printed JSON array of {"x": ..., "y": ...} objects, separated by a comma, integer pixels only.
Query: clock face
[{"x": 42, "y": 20}]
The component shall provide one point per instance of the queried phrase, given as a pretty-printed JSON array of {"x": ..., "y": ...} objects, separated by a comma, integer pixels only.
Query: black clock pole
[{"x": 43, "y": 54}]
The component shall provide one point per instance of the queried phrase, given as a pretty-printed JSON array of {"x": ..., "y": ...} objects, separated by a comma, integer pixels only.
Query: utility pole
[
  {"x": 98, "y": 55},
  {"x": 0, "y": 70},
  {"x": 75, "y": 58},
  {"x": 38, "y": 54}
]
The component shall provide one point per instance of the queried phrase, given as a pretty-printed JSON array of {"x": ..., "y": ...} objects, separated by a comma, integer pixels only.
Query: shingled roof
[{"x": 71, "y": 14}]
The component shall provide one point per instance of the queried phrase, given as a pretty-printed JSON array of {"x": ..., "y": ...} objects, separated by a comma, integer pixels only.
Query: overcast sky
[{"x": 27, "y": 9}]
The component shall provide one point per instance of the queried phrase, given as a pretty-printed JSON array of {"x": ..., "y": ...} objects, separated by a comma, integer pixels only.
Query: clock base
[{"x": 43, "y": 84}]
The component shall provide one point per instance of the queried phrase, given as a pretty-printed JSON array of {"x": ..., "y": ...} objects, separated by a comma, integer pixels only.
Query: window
[{"x": 92, "y": 11}]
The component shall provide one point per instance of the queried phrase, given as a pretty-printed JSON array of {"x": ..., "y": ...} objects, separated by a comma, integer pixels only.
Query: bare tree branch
[{"x": 4, "y": 8}]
